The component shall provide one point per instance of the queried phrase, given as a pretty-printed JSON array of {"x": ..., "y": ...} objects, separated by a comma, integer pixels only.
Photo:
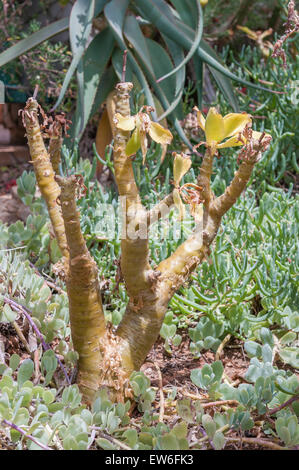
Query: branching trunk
[{"x": 108, "y": 358}]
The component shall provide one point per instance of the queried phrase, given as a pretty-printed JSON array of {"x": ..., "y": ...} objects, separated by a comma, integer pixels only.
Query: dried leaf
[{"x": 181, "y": 166}]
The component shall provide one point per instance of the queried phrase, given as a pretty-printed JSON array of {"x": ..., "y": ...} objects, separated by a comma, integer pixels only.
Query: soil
[
  {"x": 176, "y": 368},
  {"x": 11, "y": 207}
]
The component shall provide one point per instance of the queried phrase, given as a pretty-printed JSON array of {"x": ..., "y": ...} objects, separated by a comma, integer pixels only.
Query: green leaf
[
  {"x": 25, "y": 371},
  {"x": 160, "y": 14},
  {"x": 107, "y": 83},
  {"x": 99, "y": 6},
  {"x": 7, "y": 315},
  {"x": 22, "y": 417},
  {"x": 184, "y": 410},
  {"x": 186, "y": 11},
  {"x": 14, "y": 361},
  {"x": 218, "y": 369},
  {"x": 218, "y": 440},
  {"x": 162, "y": 63},
  {"x": 253, "y": 349},
  {"x": 209, "y": 425},
  {"x": 48, "y": 365},
  {"x": 169, "y": 442},
  {"x": 180, "y": 430},
  {"x": 94, "y": 65},
  {"x": 48, "y": 397},
  {"x": 105, "y": 444},
  {"x": 289, "y": 337},
  {"x": 35, "y": 39},
  {"x": 290, "y": 356},
  {"x": 115, "y": 15},
  {"x": 196, "y": 41},
  {"x": 131, "y": 436},
  {"x": 80, "y": 28}
]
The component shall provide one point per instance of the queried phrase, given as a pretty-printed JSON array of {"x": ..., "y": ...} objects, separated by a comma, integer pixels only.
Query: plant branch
[
  {"x": 283, "y": 405},
  {"x": 44, "y": 171},
  {"x": 256, "y": 441},
  {"x": 160, "y": 210},
  {"x": 5, "y": 422},
  {"x": 85, "y": 304},
  {"x": 224, "y": 202},
  {"x": 134, "y": 245}
]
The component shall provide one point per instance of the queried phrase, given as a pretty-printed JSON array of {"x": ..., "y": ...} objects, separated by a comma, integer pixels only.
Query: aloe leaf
[
  {"x": 115, "y": 12},
  {"x": 185, "y": 11},
  {"x": 151, "y": 55},
  {"x": 34, "y": 40},
  {"x": 166, "y": 22},
  {"x": 134, "y": 34},
  {"x": 161, "y": 61},
  {"x": 79, "y": 112},
  {"x": 226, "y": 88},
  {"x": 99, "y": 6},
  {"x": 177, "y": 54},
  {"x": 117, "y": 62},
  {"x": 223, "y": 82},
  {"x": 80, "y": 29},
  {"x": 107, "y": 84},
  {"x": 195, "y": 44},
  {"x": 94, "y": 65},
  {"x": 154, "y": 60},
  {"x": 199, "y": 68}
]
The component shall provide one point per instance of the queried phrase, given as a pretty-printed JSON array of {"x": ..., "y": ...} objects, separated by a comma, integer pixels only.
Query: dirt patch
[{"x": 176, "y": 368}]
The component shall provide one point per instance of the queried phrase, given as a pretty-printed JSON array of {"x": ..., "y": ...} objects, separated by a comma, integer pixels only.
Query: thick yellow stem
[
  {"x": 44, "y": 172},
  {"x": 85, "y": 304},
  {"x": 55, "y": 148},
  {"x": 134, "y": 246}
]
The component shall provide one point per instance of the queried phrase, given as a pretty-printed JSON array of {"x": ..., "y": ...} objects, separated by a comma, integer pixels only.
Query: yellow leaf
[
  {"x": 180, "y": 167},
  {"x": 200, "y": 119},
  {"x": 164, "y": 150},
  {"x": 179, "y": 204},
  {"x": 103, "y": 138},
  {"x": 124, "y": 123},
  {"x": 133, "y": 144},
  {"x": 143, "y": 143},
  {"x": 159, "y": 134},
  {"x": 234, "y": 123},
  {"x": 234, "y": 141},
  {"x": 214, "y": 127},
  {"x": 251, "y": 34}
]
